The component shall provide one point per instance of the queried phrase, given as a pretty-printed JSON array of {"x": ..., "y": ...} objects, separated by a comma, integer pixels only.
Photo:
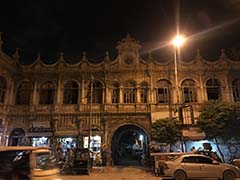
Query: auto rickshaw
[
  {"x": 82, "y": 161},
  {"x": 28, "y": 163}
]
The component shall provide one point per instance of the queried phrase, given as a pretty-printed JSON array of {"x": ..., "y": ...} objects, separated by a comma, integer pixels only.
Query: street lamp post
[{"x": 177, "y": 42}]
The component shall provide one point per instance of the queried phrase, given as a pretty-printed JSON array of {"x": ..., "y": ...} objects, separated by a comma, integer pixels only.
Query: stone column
[
  {"x": 59, "y": 92},
  {"x": 11, "y": 94},
  {"x": 84, "y": 92},
  {"x": 152, "y": 92},
  {"x": 226, "y": 92},
  {"x": 201, "y": 91},
  {"x": 35, "y": 98},
  {"x": 120, "y": 94},
  {"x": 108, "y": 94},
  {"x": 138, "y": 94},
  {"x": 81, "y": 92}
]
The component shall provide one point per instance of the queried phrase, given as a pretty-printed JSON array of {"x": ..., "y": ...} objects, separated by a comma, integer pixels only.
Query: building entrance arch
[
  {"x": 129, "y": 144},
  {"x": 17, "y": 137}
]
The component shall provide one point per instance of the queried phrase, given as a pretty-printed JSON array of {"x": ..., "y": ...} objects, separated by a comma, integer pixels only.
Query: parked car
[
  {"x": 236, "y": 162},
  {"x": 27, "y": 163},
  {"x": 160, "y": 158},
  {"x": 199, "y": 166}
]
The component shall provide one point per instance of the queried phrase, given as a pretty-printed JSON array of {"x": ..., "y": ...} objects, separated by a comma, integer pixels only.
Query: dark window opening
[
  {"x": 71, "y": 91},
  {"x": 47, "y": 93},
  {"x": 213, "y": 89}
]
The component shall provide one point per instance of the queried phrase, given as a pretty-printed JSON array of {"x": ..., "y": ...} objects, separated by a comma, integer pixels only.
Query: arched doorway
[
  {"x": 129, "y": 143},
  {"x": 16, "y": 137}
]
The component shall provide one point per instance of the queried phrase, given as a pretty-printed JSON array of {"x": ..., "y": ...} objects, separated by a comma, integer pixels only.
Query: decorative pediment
[{"x": 128, "y": 45}]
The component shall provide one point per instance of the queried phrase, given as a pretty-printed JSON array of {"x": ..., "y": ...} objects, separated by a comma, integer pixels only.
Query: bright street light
[{"x": 178, "y": 41}]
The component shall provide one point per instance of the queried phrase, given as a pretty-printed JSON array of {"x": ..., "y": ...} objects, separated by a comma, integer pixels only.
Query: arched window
[
  {"x": 3, "y": 87},
  {"x": 144, "y": 92},
  {"x": 189, "y": 89},
  {"x": 97, "y": 93},
  {"x": 70, "y": 93},
  {"x": 24, "y": 93},
  {"x": 115, "y": 93},
  {"x": 163, "y": 91},
  {"x": 213, "y": 89},
  {"x": 236, "y": 89},
  {"x": 47, "y": 93},
  {"x": 129, "y": 92}
]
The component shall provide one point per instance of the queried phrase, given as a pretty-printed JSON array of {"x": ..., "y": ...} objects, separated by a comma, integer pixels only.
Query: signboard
[{"x": 41, "y": 124}]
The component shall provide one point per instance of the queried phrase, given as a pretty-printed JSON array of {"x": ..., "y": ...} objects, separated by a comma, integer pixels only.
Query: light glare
[{"x": 178, "y": 41}]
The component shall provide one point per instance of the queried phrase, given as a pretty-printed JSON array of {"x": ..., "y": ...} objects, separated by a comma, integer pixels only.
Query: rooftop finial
[
  {"x": 84, "y": 57},
  {"x": 38, "y": 57},
  {"x": 16, "y": 55},
  {"x": 107, "y": 58},
  {"x": 107, "y": 53},
  {"x": 223, "y": 55},
  {"x": 198, "y": 55},
  {"x": 61, "y": 58}
]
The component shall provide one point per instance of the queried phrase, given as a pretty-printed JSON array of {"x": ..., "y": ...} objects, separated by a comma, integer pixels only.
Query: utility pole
[{"x": 90, "y": 114}]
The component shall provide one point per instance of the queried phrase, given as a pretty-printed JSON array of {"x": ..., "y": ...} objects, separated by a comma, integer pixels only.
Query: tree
[
  {"x": 233, "y": 124},
  {"x": 220, "y": 120},
  {"x": 166, "y": 131}
]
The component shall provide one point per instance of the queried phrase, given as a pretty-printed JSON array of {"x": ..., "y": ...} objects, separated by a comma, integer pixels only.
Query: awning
[{"x": 193, "y": 134}]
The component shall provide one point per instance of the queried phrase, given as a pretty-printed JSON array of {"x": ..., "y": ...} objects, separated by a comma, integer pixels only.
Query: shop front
[
  {"x": 40, "y": 133},
  {"x": 96, "y": 142}
]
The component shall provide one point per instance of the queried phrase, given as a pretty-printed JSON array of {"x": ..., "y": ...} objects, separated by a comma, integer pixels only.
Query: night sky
[{"x": 74, "y": 26}]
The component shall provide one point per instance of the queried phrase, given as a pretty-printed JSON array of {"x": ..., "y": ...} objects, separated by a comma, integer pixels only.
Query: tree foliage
[
  {"x": 220, "y": 120},
  {"x": 166, "y": 131}
]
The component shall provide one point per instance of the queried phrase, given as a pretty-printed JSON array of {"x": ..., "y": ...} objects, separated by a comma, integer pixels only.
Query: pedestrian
[
  {"x": 104, "y": 157},
  {"x": 193, "y": 149}
]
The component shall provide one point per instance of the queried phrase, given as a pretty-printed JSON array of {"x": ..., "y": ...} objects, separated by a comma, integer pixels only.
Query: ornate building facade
[{"x": 109, "y": 99}]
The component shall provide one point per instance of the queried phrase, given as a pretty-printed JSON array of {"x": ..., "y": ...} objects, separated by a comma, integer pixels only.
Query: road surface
[{"x": 115, "y": 173}]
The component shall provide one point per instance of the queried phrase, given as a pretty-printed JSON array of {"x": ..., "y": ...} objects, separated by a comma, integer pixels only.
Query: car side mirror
[{"x": 215, "y": 162}]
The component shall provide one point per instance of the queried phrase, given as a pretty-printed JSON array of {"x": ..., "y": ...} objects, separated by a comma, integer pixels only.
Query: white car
[{"x": 199, "y": 166}]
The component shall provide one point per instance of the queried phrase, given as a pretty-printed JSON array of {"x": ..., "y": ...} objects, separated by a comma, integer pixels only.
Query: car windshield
[{"x": 45, "y": 161}]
